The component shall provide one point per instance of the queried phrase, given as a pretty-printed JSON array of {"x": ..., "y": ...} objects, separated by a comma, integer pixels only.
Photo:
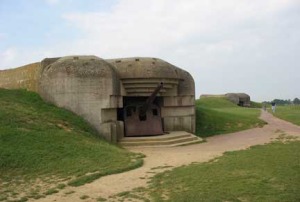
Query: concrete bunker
[
  {"x": 240, "y": 99},
  {"x": 155, "y": 95},
  {"x": 124, "y": 97}
]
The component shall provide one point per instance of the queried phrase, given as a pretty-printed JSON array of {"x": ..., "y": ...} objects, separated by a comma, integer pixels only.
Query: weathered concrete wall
[
  {"x": 241, "y": 99},
  {"x": 179, "y": 111},
  {"x": 86, "y": 85},
  {"x": 233, "y": 97},
  {"x": 25, "y": 77}
]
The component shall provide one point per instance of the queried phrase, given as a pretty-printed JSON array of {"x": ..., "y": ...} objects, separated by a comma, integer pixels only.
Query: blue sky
[
  {"x": 250, "y": 46},
  {"x": 38, "y": 23}
]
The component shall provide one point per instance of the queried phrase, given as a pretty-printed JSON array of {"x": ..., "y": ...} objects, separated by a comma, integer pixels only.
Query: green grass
[
  {"x": 51, "y": 191},
  {"x": 219, "y": 116},
  {"x": 136, "y": 194},
  {"x": 256, "y": 104},
  {"x": 40, "y": 142},
  {"x": 84, "y": 197},
  {"x": 289, "y": 113},
  {"x": 261, "y": 173},
  {"x": 101, "y": 199}
]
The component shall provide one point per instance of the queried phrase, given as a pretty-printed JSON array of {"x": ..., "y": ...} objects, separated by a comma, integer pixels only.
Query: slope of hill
[
  {"x": 219, "y": 116},
  {"x": 44, "y": 148}
]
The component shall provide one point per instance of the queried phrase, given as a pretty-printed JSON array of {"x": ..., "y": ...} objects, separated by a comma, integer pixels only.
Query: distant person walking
[
  {"x": 273, "y": 106},
  {"x": 264, "y": 107}
]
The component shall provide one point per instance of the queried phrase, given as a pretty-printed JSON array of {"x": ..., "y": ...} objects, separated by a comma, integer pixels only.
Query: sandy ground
[{"x": 176, "y": 156}]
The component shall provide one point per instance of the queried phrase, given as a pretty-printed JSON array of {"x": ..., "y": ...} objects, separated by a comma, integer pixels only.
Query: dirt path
[{"x": 165, "y": 158}]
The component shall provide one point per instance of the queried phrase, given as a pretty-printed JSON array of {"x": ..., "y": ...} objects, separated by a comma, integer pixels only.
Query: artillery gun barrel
[{"x": 150, "y": 99}]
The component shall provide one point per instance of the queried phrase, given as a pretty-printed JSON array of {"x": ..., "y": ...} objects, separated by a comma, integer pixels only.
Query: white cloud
[
  {"x": 213, "y": 39},
  {"x": 149, "y": 27},
  {"x": 227, "y": 45}
]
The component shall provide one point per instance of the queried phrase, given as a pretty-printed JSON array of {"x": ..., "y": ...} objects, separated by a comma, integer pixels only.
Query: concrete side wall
[
  {"x": 233, "y": 98},
  {"x": 182, "y": 123},
  {"x": 179, "y": 101},
  {"x": 25, "y": 77},
  {"x": 88, "y": 86},
  {"x": 181, "y": 116},
  {"x": 186, "y": 83},
  {"x": 178, "y": 113}
]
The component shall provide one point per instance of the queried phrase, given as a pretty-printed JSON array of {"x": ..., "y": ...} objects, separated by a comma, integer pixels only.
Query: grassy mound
[
  {"x": 220, "y": 116},
  {"x": 256, "y": 105},
  {"x": 43, "y": 144}
]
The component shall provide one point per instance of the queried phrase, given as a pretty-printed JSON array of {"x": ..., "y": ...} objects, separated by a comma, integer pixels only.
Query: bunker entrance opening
[
  {"x": 140, "y": 120},
  {"x": 241, "y": 103}
]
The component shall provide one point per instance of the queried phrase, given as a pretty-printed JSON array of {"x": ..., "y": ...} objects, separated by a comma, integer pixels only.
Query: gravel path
[{"x": 160, "y": 159}]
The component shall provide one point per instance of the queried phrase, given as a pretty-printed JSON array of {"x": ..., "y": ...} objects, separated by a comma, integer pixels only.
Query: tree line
[{"x": 295, "y": 101}]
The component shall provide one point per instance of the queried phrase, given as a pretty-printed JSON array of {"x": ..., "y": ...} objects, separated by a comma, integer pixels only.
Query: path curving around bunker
[{"x": 161, "y": 159}]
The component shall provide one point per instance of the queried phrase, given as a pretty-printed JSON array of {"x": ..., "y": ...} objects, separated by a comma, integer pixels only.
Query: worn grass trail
[{"x": 160, "y": 159}]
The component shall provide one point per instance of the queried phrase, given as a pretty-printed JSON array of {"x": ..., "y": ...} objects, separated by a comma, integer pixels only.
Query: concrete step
[
  {"x": 199, "y": 140},
  {"x": 163, "y": 137},
  {"x": 171, "y": 145},
  {"x": 159, "y": 142},
  {"x": 177, "y": 138}
]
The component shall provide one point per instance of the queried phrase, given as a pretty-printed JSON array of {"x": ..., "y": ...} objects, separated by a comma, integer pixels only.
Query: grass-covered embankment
[
  {"x": 289, "y": 113},
  {"x": 258, "y": 105},
  {"x": 219, "y": 116},
  {"x": 261, "y": 173},
  {"x": 45, "y": 145}
]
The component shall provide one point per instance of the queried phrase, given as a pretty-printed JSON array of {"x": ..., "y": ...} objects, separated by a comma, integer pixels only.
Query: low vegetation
[
  {"x": 220, "y": 116},
  {"x": 258, "y": 105},
  {"x": 44, "y": 148},
  {"x": 262, "y": 173},
  {"x": 289, "y": 113}
]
